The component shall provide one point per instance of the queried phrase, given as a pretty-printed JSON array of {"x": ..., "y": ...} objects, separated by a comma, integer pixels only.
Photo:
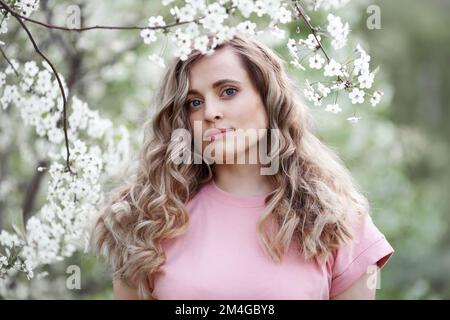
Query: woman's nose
[{"x": 212, "y": 110}]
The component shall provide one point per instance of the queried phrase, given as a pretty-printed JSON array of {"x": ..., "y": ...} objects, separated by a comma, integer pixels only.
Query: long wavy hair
[{"x": 314, "y": 195}]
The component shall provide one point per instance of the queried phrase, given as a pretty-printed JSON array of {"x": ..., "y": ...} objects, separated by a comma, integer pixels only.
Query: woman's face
[{"x": 222, "y": 96}]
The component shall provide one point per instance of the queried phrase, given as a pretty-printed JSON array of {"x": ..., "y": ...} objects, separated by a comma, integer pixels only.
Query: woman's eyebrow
[{"x": 216, "y": 84}]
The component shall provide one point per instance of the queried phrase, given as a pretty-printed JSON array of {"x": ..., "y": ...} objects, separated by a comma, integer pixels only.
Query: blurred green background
[{"x": 399, "y": 152}]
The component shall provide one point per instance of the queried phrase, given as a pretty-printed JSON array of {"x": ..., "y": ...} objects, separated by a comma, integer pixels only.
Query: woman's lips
[{"x": 219, "y": 133}]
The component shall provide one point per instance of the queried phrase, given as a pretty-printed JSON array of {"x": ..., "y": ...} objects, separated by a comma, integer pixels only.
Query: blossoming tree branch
[{"x": 78, "y": 141}]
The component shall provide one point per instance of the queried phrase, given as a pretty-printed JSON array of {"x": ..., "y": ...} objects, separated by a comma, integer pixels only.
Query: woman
[{"x": 216, "y": 229}]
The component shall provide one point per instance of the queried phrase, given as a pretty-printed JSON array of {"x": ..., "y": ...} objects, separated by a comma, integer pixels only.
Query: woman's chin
[{"x": 224, "y": 153}]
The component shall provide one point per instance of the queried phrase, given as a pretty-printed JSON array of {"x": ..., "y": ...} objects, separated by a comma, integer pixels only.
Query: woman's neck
[{"x": 241, "y": 179}]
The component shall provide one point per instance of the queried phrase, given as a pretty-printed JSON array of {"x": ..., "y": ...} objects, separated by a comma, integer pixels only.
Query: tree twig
[
  {"x": 18, "y": 17},
  {"x": 302, "y": 14},
  {"x": 9, "y": 62},
  {"x": 51, "y": 26}
]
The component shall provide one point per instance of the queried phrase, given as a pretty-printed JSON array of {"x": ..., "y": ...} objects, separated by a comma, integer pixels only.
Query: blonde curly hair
[{"x": 314, "y": 197}]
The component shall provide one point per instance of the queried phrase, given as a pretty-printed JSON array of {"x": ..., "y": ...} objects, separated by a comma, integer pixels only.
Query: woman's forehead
[{"x": 222, "y": 64}]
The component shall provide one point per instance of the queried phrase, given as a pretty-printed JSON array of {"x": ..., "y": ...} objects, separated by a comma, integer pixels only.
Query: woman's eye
[
  {"x": 193, "y": 103},
  {"x": 232, "y": 90}
]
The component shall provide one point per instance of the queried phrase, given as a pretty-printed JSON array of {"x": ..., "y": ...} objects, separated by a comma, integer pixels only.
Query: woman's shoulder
[{"x": 368, "y": 247}]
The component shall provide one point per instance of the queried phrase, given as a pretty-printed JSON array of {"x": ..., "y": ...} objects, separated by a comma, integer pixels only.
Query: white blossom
[
  {"x": 2, "y": 79},
  {"x": 292, "y": 47},
  {"x": 273, "y": 8},
  {"x": 31, "y": 68},
  {"x": 197, "y": 4},
  {"x": 148, "y": 35},
  {"x": 55, "y": 135},
  {"x": 26, "y": 83},
  {"x": 27, "y": 7},
  {"x": 324, "y": 90},
  {"x": 311, "y": 94},
  {"x": 43, "y": 82},
  {"x": 297, "y": 64},
  {"x": 361, "y": 64},
  {"x": 353, "y": 119},
  {"x": 332, "y": 69},
  {"x": 201, "y": 44},
  {"x": 311, "y": 42},
  {"x": 9, "y": 240},
  {"x": 215, "y": 14},
  {"x": 284, "y": 15},
  {"x": 338, "y": 31},
  {"x": 4, "y": 25},
  {"x": 333, "y": 108},
  {"x": 10, "y": 68},
  {"x": 246, "y": 7},
  {"x": 3, "y": 261},
  {"x": 316, "y": 61},
  {"x": 55, "y": 231},
  {"x": 157, "y": 21},
  {"x": 277, "y": 32},
  {"x": 225, "y": 33},
  {"x": 10, "y": 94},
  {"x": 192, "y": 30},
  {"x": 186, "y": 13},
  {"x": 376, "y": 98},
  {"x": 366, "y": 80},
  {"x": 260, "y": 8},
  {"x": 183, "y": 42},
  {"x": 246, "y": 27},
  {"x": 356, "y": 96},
  {"x": 338, "y": 86}
]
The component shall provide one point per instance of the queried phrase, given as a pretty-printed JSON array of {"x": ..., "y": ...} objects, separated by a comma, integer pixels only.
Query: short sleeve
[{"x": 368, "y": 247}]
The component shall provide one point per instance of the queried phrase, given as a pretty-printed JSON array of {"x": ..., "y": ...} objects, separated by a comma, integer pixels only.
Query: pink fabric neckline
[{"x": 235, "y": 200}]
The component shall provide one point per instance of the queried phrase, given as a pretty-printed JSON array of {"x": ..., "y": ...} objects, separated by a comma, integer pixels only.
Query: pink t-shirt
[{"x": 219, "y": 256}]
